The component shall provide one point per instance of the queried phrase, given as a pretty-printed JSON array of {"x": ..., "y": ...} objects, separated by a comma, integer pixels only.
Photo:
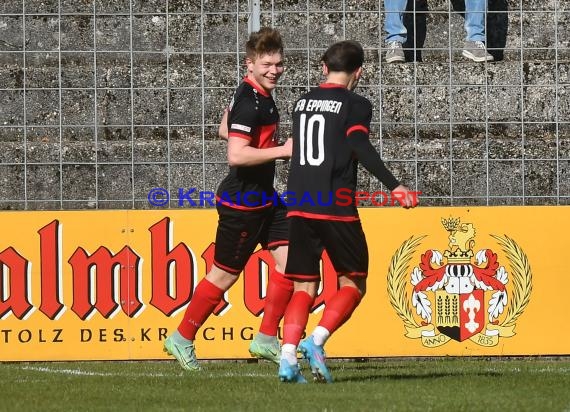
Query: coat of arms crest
[{"x": 460, "y": 294}]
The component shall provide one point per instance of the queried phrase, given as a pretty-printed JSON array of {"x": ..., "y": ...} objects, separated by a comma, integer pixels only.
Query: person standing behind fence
[
  {"x": 246, "y": 221},
  {"x": 330, "y": 136},
  {"x": 474, "y": 47}
]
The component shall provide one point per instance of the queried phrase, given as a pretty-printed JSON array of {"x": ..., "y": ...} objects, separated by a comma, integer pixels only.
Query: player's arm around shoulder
[
  {"x": 240, "y": 153},
  {"x": 243, "y": 120}
]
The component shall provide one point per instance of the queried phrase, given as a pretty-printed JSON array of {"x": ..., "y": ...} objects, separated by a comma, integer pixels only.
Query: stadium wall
[{"x": 101, "y": 101}]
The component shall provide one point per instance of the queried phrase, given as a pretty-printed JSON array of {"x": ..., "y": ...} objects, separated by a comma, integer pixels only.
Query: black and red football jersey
[
  {"x": 253, "y": 116},
  {"x": 323, "y": 171}
]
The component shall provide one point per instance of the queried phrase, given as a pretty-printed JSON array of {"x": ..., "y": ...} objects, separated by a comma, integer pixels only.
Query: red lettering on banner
[
  {"x": 208, "y": 257},
  {"x": 17, "y": 296},
  {"x": 255, "y": 273},
  {"x": 108, "y": 283},
  {"x": 329, "y": 282},
  {"x": 99, "y": 270},
  {"x": 256, "y": 277},
  {"x": 173, "y": 270},
  {"x": 51, "y": 303}
]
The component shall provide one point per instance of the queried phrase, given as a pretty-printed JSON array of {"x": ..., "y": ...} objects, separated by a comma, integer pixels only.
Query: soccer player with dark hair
[
  {"x": 246, "y": 221},
  {"x": 330, "y": 136}
]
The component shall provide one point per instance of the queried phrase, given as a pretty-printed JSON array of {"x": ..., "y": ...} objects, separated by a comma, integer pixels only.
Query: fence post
[{"x": 254, "y": 16}]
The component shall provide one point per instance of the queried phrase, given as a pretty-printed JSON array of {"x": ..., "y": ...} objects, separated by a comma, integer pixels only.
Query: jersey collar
[
  {"x": 256, "y": 86},
  {"x": 332, "y": 86}
]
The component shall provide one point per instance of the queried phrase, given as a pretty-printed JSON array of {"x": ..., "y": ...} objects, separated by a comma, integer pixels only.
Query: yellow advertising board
[{"x": 81, "y": 285}]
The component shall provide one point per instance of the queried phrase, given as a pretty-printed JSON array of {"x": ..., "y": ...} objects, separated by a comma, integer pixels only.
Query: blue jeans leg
[
  {"x": 475, "y": 12},
  {"x": 394, "y": 20}
]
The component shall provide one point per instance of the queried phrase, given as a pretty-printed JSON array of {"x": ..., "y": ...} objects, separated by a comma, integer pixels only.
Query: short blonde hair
[{"x": 264, "y": 41}]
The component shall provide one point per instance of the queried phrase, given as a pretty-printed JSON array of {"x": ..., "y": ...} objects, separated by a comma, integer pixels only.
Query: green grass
[{"x": 441, "y": 384}]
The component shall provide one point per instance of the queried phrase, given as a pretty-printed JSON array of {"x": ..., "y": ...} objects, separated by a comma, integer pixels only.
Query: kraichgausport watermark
[{"x": 160, "y": 197}]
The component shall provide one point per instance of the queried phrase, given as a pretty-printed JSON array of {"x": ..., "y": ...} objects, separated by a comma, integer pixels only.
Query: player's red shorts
[
  {"x": 239, "y": 232},
  {"x": 344, "y": 242}
]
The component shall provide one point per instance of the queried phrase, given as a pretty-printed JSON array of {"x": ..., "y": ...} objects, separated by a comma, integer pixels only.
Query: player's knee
[
  {"x": 221, "y": 278},
  {"x": 356, "y": 282}
]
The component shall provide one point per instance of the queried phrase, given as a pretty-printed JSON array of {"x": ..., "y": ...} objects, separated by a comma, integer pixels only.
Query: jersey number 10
[{"x": 314, "y": 126}]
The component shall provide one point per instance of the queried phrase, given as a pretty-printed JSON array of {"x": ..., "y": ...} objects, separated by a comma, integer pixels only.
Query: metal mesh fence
[{"x": 102, "y": 101}]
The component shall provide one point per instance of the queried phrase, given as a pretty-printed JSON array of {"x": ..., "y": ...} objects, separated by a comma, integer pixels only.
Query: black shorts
[
  {"x": 240, "y": 231},
  {"x": 344, "y": 242}
]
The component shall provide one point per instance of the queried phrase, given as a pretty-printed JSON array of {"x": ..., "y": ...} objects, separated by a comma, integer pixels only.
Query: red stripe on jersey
[
  {"x": 241, "y": 136},
  {"x": 332, "y": 86},
  {"x": 355, "y": 274},
  {"x": 265, "y": 137},
  {"x": 227, "y": 268},
  {"x": 232, "y": 205},
  {"x": 256, "y": 86},
  {"x": 319, "y": 216},
  {"x": 277, "y": 243},
  {"x": 301, "y": 278},
  {"x": 355, "y": 128},
  {"x": 262, "y": 139}
]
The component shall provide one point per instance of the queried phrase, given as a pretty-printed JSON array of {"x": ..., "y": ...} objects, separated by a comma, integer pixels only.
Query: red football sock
[
  {"x": 206, "y": 298},
  {"x": 296, "y": 317},
  {"x": 339, "y": 308},
  {"x": 279, "y": 292}
]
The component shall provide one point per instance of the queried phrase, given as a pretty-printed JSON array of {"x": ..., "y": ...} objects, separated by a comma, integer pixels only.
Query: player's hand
[
  {"x": 407, "y": 198},
  {"x": 223, "y": 127}
]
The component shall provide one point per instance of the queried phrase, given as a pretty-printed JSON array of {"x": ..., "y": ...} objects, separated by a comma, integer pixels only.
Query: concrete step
[
  {"x": 533, "y": 90},
  {"x": 501, "y": 140},
  {"x": 440, "y": 161}
]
